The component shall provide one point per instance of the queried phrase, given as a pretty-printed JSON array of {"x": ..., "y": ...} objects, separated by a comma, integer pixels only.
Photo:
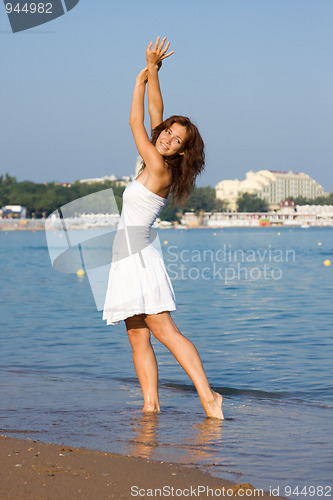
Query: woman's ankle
[
  {"x": 213, "y": 406},
  {"x": 151, "y": 407}
]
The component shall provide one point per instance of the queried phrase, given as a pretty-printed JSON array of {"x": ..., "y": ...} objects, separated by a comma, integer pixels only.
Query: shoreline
[
  {"x": 34, "y": 470},
  {"x": 179, "y": 228}
]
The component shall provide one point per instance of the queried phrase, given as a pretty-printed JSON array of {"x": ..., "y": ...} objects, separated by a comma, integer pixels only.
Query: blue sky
[{"x": 255, "y": 75}]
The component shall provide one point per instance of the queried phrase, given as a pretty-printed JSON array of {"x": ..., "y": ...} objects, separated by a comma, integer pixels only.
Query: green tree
[
  {"x": 7, "y": 183},
  {"x": 248, "y": 202},
  {"x": 321, "y": 200},
  {"x": 221, "y": 205},
  {"x": 202, "y": 198}
]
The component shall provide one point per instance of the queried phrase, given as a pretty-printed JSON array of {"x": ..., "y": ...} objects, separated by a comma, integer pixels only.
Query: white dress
[{"x": 138, "y": 280}]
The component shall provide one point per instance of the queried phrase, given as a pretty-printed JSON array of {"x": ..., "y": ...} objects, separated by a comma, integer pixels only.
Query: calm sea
[{"x": 257, "y": 303}]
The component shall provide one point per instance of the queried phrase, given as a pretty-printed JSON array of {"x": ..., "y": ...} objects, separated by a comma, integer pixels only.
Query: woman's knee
[
  {"x": 165, "y": 333},
  {"x": 139, "y": 339},
  {"x": 161, "y": 326}
]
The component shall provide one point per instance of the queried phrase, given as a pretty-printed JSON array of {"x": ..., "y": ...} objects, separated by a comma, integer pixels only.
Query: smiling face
[{"x": 171, "y": 140}]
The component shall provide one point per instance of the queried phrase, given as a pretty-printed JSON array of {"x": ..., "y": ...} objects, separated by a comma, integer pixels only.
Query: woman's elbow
[{"x": 133, "y": 121}]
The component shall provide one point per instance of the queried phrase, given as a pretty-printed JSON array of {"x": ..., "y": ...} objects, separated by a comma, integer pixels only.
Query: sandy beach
[{"x": 31, "y": 470}]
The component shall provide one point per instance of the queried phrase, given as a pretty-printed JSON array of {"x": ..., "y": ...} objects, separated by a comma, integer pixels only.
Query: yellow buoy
[
  {"x": 279, "y": 234},
  {"x": 327, "y": 262},
  {"x": 80, "y": 272},
  {"x": 214, "y": 234},
  {"x": 166, "y": 242},
  {"x": 319, "y": 243}
]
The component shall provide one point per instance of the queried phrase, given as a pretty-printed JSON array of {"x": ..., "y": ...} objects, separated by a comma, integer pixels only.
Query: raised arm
[
  {"x": 153, "y": 159},
  {"x": 155, "y": 54},
  {"x": 137, "y": 114}
]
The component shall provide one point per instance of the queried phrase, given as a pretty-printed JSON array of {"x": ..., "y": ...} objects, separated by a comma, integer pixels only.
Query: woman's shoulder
[{"x": 158, "y": 184}]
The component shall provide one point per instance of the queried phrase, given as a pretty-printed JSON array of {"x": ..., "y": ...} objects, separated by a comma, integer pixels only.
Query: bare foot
[
  {"x": 151, "y": 408},
  {"x": 213, "y": 408}
]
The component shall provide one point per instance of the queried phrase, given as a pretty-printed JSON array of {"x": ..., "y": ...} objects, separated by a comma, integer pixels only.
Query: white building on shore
[
  {"x": 13, "y": 212},
  {"x": 272, "y": 186},
  {"x": 298, "y": 216},
  {"x": 123, "y": 181}
]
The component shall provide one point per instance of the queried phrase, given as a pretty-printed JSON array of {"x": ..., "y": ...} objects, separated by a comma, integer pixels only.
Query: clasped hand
[{"x": 154, "y": 55}]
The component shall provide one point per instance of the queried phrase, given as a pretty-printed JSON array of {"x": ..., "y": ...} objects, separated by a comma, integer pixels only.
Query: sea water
[{"x": 256, "y": 302}]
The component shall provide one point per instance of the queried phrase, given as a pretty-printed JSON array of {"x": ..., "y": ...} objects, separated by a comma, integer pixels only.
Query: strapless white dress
[{"x": 138, "y": 280}]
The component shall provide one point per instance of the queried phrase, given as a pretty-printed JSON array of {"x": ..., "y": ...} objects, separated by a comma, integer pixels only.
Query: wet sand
[{"x": 31, "y": 470}]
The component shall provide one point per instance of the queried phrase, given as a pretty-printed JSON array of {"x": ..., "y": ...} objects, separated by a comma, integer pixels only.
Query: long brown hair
[{"x": 187, "y": 166}]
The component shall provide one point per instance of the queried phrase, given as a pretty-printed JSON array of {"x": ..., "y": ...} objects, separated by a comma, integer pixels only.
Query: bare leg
[
  {"x": 144, "y": 361},
  {"x": 165, "y": 330}
]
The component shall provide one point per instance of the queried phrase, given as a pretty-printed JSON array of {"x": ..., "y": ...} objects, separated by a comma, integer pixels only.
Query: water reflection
[
  {"x": 207, "y": 442},
  {"x": 199, "y": 443},
  {"x": 143, "y": 438}
]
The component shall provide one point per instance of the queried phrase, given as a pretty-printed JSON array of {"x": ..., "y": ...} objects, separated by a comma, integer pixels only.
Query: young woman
[{"x": 139, "y": 289}]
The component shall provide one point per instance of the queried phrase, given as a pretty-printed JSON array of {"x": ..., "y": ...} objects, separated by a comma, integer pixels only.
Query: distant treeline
[
  {"x": 321, "y": 200},
  {"x": 42, "y": 199}
]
